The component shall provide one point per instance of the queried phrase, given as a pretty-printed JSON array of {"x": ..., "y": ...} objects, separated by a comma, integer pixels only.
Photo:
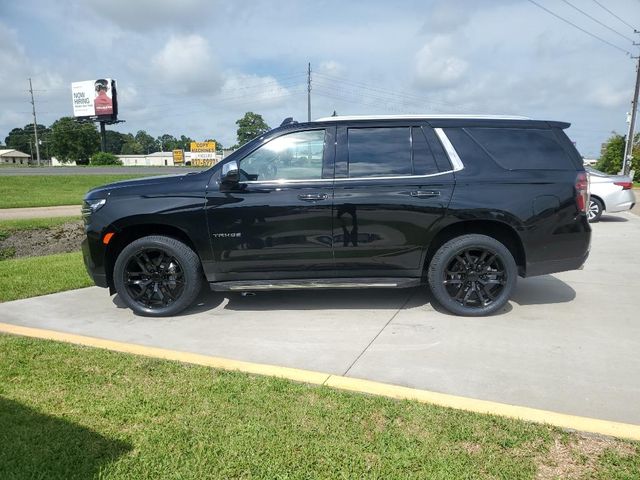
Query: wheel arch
[
  {"x": 500, "y": 231},
  {"x": 126, "y": 235},
  {"x": 598, "y": 197}
]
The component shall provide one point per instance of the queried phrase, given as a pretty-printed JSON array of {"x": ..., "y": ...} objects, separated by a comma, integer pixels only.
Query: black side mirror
[{"x": 230, "y": 174}]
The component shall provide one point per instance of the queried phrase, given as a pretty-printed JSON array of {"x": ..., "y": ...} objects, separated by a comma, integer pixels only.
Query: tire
[
  {"x": 157, "y": 276},
  {"x": 594, "y": 212},
  {"x": 472, "y": 275}
]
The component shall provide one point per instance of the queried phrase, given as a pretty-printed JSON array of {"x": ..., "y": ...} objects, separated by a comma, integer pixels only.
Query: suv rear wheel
[
  {"x": 157, "y": 276},
  {"x": 472, "y": 275}
]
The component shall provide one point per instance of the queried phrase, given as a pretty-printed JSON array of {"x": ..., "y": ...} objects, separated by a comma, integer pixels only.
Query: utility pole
[
  {"x": 628, "y": 148},
  {"x": 35, "y": 122},
  {"x": 309, "y": 92}
]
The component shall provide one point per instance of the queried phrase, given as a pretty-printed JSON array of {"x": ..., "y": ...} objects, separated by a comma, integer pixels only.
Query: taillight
[
  {"x": 624, "y": 185},
  {"x": 582, "y": 191}
]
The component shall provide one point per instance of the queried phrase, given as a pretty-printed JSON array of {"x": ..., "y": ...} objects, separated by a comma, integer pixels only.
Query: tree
[
  {"x": 23, "y": 139},
  {"x": 250, "y": 126},
  {"x": 613, "y": 153},
  {"x": 130, "y": 146},
  {"x": 147, "y": 142},
  {"x": 70, "y": 140},
  {"x": 611, "y": 158},
  {"x": 167, "y": 142},
  {"x": 104, "y": 158},
  {"x": 185, "y": 143},
  {"x": 219, "y": 146},
  {"x": 114, "y": 141}
]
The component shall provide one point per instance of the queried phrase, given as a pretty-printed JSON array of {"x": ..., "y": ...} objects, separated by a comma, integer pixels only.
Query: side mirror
[{"x": 230, "y": 173}]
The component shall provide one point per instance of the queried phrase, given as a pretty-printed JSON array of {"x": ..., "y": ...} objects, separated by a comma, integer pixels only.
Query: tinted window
[
  {"x": 376, "y": 152},
  {"x": 423, "y": 161},
  {"x": 522, "y": 148},
  {"x": 294, "y": 156}
]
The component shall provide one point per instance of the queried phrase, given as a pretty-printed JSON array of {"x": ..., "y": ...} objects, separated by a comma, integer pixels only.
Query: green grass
[
  {"x": 50, "y": 190},
  {"x": 32, "y": 276},
  {"x": 75, "y": 412}
]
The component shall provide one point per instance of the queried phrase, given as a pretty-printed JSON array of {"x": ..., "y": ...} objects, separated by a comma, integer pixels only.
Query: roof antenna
[
  {"x": 334, "y": 114},
  {"x": 287, "y": 121}
]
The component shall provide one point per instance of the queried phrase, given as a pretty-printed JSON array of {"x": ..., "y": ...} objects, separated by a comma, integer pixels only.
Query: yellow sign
[
  {"x": 203, "y": 146},
  {"x": 178, "y": 156},
  {"x": 203, "y": 154}
]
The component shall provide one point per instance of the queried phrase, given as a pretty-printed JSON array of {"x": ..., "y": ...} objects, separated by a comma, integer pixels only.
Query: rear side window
[
  {"x": 378, "y": 152},
  {"x": 523, "y": 148},
  {"x": 423, "y": 160}
]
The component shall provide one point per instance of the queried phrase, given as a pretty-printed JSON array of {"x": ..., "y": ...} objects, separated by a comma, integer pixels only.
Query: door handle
[
  {"x": 312, "y": 197},
  {"x": 425, "y": 193}
]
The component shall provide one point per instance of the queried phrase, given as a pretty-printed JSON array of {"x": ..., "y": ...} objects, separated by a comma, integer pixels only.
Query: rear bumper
[
  {"x": 555, "y": 266},
  {"x": 620, "y": 201}
]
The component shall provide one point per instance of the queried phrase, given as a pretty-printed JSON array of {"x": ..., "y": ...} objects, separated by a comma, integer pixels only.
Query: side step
[{"x": 295, "y": 284}]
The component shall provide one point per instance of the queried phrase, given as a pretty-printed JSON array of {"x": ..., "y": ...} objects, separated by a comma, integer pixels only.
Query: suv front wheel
[
  {"x": 157, "y": 276},
  {"x": 472, "y": 275}
]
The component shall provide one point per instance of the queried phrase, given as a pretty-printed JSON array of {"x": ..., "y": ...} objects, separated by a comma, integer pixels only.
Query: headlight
[{"x": 91, "y": 206}]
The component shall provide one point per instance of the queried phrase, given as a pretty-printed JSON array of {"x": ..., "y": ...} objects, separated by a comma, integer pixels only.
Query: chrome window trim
[
  {"x": 456, "y": 162},
  {"x": 346, "y": 179}
]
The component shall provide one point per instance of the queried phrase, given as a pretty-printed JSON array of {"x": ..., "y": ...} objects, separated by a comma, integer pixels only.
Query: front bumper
[{"x": 93, "y": 256}]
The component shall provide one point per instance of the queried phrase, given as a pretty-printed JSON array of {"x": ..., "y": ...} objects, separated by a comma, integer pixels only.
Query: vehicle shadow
[
  {"x": 545, "y": 289},
  {"x": 542, "y": 290},
  {"x": 35, "y": 445},
  {"x": 612, "y": 219}
]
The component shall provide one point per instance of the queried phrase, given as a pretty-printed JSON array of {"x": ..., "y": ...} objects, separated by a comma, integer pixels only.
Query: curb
[{"x": 571, "y": 422}]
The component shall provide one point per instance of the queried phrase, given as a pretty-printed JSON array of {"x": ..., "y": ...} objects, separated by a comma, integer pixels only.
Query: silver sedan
[{"x": 610, "y": 193}]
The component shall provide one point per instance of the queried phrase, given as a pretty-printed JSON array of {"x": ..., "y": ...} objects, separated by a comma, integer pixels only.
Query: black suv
[{"x": 463, "y": 204}]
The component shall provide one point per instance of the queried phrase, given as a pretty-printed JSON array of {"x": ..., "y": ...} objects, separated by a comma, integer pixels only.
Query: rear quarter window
[{"x": 523, "y": 148}]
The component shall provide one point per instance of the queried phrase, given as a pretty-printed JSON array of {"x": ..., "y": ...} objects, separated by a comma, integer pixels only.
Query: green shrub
[{"x": 104, "y": 158}]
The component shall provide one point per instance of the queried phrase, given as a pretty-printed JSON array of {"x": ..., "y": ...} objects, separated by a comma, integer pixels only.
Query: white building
[{"x": 13, "y": 157}]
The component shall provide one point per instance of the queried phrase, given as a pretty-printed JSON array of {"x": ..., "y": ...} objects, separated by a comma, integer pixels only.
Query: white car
[{"x": 610, "y": 193}]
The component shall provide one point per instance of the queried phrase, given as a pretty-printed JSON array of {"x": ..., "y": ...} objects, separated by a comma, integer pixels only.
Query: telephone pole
[
  {"x": 35, "y": 122},
  {"x": 628, "y": 148},
  {"x": 309, "y": 92}
]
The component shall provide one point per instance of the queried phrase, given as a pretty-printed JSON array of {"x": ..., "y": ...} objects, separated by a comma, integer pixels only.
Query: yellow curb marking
[{"x": 573, "y": 422}]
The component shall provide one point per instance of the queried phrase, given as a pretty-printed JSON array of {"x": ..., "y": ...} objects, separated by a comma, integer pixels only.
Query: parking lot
[{"x": 567, "y": 342}]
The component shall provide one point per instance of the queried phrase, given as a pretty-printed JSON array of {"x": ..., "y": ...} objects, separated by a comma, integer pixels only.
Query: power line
[
  {"x": 623, "y": 21},
  {"x": 580, "y": 28},
  {"x": 598, "y": 21}
]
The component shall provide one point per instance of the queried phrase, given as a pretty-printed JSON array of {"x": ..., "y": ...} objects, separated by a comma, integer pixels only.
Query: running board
[{"x": 255, "y": 285}]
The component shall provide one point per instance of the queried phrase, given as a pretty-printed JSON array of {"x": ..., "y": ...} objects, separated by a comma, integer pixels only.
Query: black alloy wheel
[
  {"x": 158, "y": 276},
  {"x": 472, "y": 275},
  {"x": 154, "y": 278},
  {"x": 475, "y": 277}
]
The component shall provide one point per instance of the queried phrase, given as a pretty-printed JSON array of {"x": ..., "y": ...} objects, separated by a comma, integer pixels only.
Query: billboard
[
  {"x": 203, "y": 154},
  {"x": 95, "y": 99}
]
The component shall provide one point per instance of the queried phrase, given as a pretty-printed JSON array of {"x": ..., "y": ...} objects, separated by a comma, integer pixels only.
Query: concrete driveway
[{"x": 569, "y": 342}]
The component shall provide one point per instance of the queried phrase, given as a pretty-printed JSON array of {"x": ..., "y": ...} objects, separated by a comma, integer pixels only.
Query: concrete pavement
[{"x": 567, "y": 342}]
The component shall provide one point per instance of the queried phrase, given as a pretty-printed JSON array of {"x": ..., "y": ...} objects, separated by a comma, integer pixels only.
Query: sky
[{"x": 194, "y": 67}]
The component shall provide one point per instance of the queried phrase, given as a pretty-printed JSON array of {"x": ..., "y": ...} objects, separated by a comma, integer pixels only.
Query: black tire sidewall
[
  {"x": 448, "y": 251},
  {"x": 186, "y": 257}
]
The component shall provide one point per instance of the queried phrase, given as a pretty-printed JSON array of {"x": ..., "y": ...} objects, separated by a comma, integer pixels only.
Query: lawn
[
  {"x": 32, "y": 276},
  {"x": 76, "y": 412},
  {"x": 50, "y": 190}
]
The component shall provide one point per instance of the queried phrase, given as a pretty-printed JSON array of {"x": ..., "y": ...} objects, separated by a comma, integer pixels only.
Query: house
[{"x": 14, "y": 157}]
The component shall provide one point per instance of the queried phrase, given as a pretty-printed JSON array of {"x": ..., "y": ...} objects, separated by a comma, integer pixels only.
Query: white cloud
[
  {"x": 436, "y": 65},
  {"x": 186, "y": 64}
]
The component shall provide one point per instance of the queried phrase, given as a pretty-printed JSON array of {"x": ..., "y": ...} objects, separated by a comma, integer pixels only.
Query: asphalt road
[
  {"x": 568, "y": 342},
  {"x": 13, "y": 171}
]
